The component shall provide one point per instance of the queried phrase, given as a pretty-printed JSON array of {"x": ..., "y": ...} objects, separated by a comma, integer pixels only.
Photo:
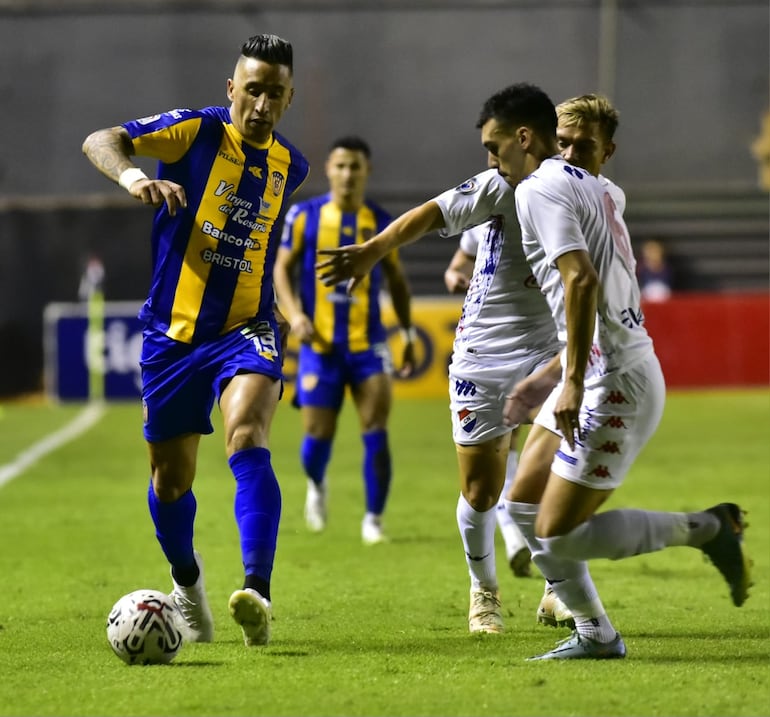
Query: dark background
[{"x": 690, "y": 78}]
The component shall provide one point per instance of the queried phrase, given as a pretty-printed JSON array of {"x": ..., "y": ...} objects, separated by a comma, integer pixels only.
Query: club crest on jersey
[
  {"x": 278, "y": 180},
  {"x": 467, "y": 419},
  {"x": 469, "y": 186}
]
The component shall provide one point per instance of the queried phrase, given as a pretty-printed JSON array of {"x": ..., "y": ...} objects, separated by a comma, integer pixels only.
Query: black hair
[
  {"x": 353, "y": 143},
  {"x": 521, "y": 104},
  {"x": 269, "y": 48}
]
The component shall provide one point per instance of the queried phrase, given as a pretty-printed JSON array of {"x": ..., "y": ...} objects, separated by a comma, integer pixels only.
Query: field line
[{"x": 79, "y": 425}]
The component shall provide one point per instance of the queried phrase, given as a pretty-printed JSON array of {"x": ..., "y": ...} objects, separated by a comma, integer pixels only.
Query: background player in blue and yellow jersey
[
  {"x": 343, "y": 340},
  {"x": 224, "y": 183}
]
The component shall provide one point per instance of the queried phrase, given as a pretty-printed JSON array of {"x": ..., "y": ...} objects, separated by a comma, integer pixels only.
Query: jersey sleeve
[
  {"x": 473, "y": 202},
  {"x": 166, "y": 136},
  {"x": 292, "y": 236}
]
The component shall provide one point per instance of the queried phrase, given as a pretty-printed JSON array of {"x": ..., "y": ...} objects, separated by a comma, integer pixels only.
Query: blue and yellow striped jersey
[
  {"x": 213, "y": 262},
  {"x": 347, "y": 322}
]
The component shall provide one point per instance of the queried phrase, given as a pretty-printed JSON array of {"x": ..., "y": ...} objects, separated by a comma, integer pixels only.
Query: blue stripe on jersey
[{"x": 213, "y": 262}]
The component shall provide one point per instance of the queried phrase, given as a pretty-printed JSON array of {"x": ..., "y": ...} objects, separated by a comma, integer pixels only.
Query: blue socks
[
  {"x": 257, "y": 513},
  {"x": 315, "y": 454},
  {"x": 377, "y": 470},
  {"x": 174, "y": 531}
]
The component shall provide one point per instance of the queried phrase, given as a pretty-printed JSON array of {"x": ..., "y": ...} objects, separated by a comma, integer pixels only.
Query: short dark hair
[
  {"x": 353, "y": 143},
  {"x": 521, "y": 104},
  {"x": 269, "y": 48}
]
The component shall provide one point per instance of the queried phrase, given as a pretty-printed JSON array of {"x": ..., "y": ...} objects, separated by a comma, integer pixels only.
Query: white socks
[
  {"x": 569, "y": 579},
  {"x": 618, "y": 534},
  {"x": 477, "y": 531},
  {"x": 514, "y": 540}
]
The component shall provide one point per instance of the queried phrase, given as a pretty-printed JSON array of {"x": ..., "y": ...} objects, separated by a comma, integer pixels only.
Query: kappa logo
[
  {"x": 615, "y": 422},
  {"x": 600, "y": 472},
  {"x": 615, "y": 397},
  {"x": 610, "y": 447},
  {"x": 467, "y": 419}
]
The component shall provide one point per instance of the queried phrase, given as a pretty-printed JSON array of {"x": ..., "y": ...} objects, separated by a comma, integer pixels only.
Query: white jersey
[
  {"x": 562, "y": 208},
  {"x": 504, "y": 313},
  {"x": 617, "y": 194}
]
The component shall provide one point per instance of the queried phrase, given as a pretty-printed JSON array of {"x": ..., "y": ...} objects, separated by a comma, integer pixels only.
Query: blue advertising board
[{"x": 74, "y": 355}]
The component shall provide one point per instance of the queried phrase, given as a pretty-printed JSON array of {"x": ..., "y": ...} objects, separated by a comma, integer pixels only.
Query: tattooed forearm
[{"x": 109, "y": 151}]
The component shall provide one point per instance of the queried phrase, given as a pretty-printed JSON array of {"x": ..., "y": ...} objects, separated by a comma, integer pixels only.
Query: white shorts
[
  {"x": 477, "y": 392},
  {"x": 617, "y": 419}
]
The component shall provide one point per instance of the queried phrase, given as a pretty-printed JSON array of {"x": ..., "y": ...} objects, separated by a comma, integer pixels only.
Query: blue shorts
[
  {"x": 181, "y": 381},
  {"x": 321, "y": 378}
]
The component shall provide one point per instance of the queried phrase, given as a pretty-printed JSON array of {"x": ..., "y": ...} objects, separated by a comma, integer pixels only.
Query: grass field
[{"x": 372, "y": 630}]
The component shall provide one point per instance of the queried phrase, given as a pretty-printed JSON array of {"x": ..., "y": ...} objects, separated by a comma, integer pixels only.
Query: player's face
[
  {"x": 504, "y": 150},
  {"x": 347, "y": 171},
  {"x": 584, "y": 146},
  {"x": 260, "y": 93}
]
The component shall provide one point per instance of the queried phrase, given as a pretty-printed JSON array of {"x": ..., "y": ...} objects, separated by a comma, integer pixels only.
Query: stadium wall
[{"x": 702, "y": 340}]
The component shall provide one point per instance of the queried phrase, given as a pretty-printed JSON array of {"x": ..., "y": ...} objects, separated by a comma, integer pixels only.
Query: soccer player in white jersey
[
  {"x": 504, "y": 333},
  {"x": 457, "y": 278},
  {"x": 586, "y": 130},
  {"x": 610, "y": 392},
  {"x": 611, "y": 396}
]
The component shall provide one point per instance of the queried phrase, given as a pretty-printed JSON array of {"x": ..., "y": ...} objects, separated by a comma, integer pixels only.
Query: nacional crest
[{"x": 467, "y": 419}]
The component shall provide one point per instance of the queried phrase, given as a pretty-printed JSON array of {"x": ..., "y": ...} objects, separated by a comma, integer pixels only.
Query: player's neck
[{"x": 349, "y": 204}]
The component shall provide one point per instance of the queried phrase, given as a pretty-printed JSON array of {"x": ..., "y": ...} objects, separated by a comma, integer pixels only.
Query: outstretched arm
[
  {"x": 110, "y": 151},
  {"x": 356, "y": 261}
]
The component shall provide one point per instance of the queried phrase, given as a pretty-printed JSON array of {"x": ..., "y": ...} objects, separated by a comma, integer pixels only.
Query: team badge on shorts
[{"x": 467, "y": 419}]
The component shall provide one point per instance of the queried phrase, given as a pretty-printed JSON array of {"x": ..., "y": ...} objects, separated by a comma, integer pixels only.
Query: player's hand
[
  {"x": 456, "y": 282},
  {"x": 567, "y": 412},
  {"x": 528, "y": 395},
  {"x": 351, "y": 263},
  {"x": 302, "y": 327},
  {"x": 408, "y": 360},
  {"x": 157, "y": 191},
  {"x": 283, "y": 329}
]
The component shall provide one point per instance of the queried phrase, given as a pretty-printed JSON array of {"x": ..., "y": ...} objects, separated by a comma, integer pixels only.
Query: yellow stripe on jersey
[
  {"x": 328, "y": 237},
  {"x": 358, "y": 321},
  {"x": 157, "y": 144}
]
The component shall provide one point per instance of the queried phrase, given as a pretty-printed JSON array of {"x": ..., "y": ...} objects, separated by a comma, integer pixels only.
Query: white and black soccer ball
[{"x": 142, "y": 628}]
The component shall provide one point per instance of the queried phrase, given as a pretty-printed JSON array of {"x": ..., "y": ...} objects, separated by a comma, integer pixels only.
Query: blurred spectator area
[
  {"x": 713, "y": 243},
  {"x": 690, "y": 78}
]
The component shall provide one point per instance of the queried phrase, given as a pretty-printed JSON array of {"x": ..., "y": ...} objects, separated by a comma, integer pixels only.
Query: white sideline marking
[{"x": 79, "y": 425}]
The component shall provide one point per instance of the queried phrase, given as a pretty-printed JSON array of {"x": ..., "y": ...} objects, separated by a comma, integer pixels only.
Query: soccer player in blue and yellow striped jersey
[
  {"x": 224, "y": 182},
  {"x": 343, "y": 340}
]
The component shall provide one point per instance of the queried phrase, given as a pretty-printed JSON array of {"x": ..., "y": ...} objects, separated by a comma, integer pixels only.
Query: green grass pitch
[{"x": 372, "y": 630}]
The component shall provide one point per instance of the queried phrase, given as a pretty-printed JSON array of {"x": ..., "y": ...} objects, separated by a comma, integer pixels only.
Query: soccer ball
[{"x": 142, "y": 628}]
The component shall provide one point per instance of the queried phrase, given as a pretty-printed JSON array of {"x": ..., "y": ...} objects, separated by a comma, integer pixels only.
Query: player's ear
[
  {"x": 609, "y": 150},
  {"x": 291, "y": 97},
  {"x": 524, "y": 137},
  {"x": 230, "y": 89}
]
